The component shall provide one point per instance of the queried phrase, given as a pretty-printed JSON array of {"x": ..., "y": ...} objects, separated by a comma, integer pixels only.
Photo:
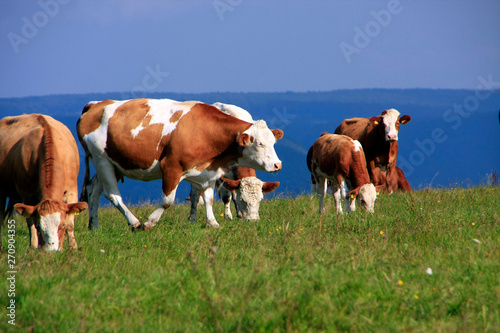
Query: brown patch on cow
[
  {"x": 90, "y": 119},
  {"x": 203, "y": 135},
  {"x": 131, "y": 152},
  {"x": 176, "y": 116}
]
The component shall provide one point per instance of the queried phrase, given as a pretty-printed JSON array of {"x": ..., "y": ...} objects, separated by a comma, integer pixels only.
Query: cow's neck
[{"x": 358, "y": 173}]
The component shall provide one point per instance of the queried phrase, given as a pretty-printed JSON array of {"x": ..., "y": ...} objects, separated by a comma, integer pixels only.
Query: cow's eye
[{"x": 260, "y": 144}]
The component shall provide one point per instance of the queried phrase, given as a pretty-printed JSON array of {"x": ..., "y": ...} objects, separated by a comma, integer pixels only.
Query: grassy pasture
[{"x": 294, "y": 271}]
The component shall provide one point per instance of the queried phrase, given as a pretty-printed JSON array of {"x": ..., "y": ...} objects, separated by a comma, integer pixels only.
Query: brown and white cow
[
  {"x": 149, "y": 139},
  {"x": 244, "y": 188},
  {"x": 241, "y": 185},
  {"x": 341, "y": 160},
  {"x": 39, "y": 166},
  {"x": 378, "y": 136}
]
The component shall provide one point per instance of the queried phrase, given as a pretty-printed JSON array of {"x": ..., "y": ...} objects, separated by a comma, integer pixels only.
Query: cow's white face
[
  {"x": 49, "y": 227},
  {"x": 390, "y": 119},
  {"x": 248, "y": 197},
  {"x": 258, "y": 147},
  {"x": 366, "y": 197}
]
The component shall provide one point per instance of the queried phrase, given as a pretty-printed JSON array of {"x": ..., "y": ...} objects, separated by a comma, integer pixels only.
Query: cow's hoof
[{"x": 140, "y": 227}]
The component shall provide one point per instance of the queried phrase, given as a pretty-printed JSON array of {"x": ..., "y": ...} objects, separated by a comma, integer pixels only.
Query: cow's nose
[{"x": 277, "y": 166}]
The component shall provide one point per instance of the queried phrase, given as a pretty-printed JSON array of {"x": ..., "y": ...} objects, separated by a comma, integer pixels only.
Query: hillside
[{"x": 452, "y": 139}]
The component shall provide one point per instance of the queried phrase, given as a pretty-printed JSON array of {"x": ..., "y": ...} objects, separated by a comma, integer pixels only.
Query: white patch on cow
[
  {"x": 234, "y": 111},
  {"x": 136, "y": 130},
  {"x": 260, "y": 154},
  {"x": 100, "y": 135},
  {"x": 357, "y": 145},
  {"x": 49, "y": 225},
  {"x": 390, "y": 119}
]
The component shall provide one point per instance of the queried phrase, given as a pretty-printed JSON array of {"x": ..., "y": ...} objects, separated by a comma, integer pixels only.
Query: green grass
[{"x": 292, "y": 271}]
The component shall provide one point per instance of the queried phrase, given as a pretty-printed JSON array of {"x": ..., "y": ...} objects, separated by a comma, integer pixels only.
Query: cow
[
  {"x": 242, "y": 186},
  {"x": 39, "y": 166},
  {"x": 378, "y": 136},
  {"x": 398, "y": 181},
  {"x": 341, "y": 160},
  {"x": 148, "y": 139}
]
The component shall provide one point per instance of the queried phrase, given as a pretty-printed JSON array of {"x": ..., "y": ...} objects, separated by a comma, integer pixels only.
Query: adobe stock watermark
[
  {"x": 363, "y": 37},
  {"x": 11, "y": 271},
  {"x": 424, "y": 148},
  {"x": 281, "y": 118},
  {"x": 150, "y": 81},
  {"x": 31, "y": 26},
  {"x": 223, "y": 6}
]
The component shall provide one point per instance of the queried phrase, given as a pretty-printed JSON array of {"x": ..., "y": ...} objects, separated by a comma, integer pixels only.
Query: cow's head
[
  {"x": 390, "y": 120},
  {"x": 249, "y": 193},
  {"x": 257, "y": 144},
  {"x": 365, "y": 196},
  {"x": 50, "y": 219}
]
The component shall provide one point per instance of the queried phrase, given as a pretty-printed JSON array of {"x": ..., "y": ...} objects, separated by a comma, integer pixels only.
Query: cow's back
[
  {"x": 355, "y": 128},
  {"x": 21, "y": 156}
]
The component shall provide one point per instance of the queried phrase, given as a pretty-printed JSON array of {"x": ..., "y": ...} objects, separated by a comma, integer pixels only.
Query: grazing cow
[
  {"x": 39, "y": 166},
  {"x": 378, "y": 136},
  {"x": 341, "y": 160},
  {"x": 244, "y": 188},
  {"x": 149, "y": 139}
]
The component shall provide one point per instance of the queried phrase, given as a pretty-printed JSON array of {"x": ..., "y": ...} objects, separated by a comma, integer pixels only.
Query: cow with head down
[
  {"x": 149, "y": 139},
  {"x": 240, "y": 184},
  {"x": 379, "y": 137},
  {"x": 39, "y": 166}
]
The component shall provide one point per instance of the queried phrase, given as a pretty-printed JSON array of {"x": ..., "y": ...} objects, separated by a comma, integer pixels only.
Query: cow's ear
[
  {"x": 353, "y": 194},
  {"x": 244, "y": 139},
  {"x": 24, "y": 210},
  {"x": 404, "y": 119},
  {"x": 278, "y": 134},
  {"x": 376, "y": 120},
  {"x": 379, "y": 188},
  {"x": 270, "y": 186},
  {"x": 77, "y": 208},
  {"x": 230, "y": 184}
]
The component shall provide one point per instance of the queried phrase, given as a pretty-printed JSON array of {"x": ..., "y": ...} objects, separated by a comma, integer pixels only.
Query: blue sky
[{"x": 73, "y": 46}]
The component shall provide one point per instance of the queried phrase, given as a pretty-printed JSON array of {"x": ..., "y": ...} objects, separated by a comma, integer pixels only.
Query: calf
[
  {"x": 149, "y": 139},
  {"x": 39, "y": 166},
  {"x": 341, "y": 160}
]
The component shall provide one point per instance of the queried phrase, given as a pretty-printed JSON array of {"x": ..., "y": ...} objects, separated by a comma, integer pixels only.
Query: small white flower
[
  {"x": 429, "y": 270},
  {"x": 477, "y": 241},
  {"x": 102, "y": 250}
]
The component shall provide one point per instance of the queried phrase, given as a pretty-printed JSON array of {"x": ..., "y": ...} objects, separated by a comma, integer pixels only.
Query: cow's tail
[{"x": 86, "y": 179}]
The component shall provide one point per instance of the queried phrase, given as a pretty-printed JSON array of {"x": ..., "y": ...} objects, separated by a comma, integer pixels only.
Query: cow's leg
[
  {"x": 195, "y": 199},
  {"x": 166, "y": 201},
  {"x": 170, "y": 181},
  {"x": 321, "y": 190},
  {"x": 344, "y": 192},
  {"x": 107, "y": 178},
  {"x": 94, "y": 197},
  {"x": 208, "y": 197},
  {"x": 225, "y": 197},
  {"x": 33, "y": 232}
]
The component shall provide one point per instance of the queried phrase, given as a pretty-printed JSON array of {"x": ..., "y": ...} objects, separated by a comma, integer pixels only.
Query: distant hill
[{"x": 452, "y": 140}]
